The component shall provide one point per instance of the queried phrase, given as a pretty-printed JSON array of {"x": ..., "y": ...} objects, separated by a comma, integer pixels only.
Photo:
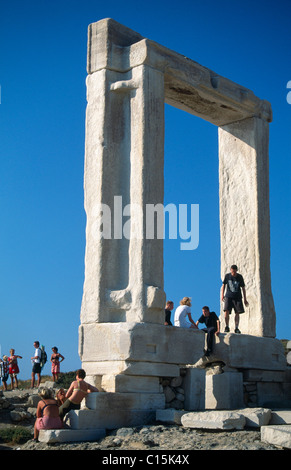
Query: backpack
[{"x": 43, "y": 357}]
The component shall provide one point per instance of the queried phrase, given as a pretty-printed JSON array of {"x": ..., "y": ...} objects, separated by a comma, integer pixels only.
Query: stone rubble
[{"x": 161, "y": 435}]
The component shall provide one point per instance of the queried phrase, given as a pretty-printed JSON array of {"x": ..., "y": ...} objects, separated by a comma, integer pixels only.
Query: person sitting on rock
[
  {"x": 183, "y": 318},
  {"x": 77, "y": 391},
  {"x": 60, "y": 396},
  {"x": 212, "y": 324},
  {"x": 47, "y": 413}
]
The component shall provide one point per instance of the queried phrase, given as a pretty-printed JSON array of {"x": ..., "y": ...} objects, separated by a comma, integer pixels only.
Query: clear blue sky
[{"x": 42, "y": 117}]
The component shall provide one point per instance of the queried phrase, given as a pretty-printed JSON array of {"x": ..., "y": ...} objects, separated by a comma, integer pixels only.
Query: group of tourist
[
  {"x": 233, "y": 287},
  {"x": 9, "y": 366},
  {"x": 51, "y": 409}
]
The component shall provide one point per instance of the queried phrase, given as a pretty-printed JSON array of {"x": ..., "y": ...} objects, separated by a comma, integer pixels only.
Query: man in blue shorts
[{"x": 234, "y": 284}]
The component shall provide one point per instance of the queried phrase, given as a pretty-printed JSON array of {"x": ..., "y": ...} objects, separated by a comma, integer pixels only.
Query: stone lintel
[{"x": 188, "y": 85}]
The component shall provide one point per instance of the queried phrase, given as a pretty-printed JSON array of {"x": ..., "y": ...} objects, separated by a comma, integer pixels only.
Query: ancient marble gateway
[{"x": 122, "y": 340}]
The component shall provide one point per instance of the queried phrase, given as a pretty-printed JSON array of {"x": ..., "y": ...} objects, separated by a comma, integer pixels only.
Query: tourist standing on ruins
[
  {"x": 13, "y": 368},
  {"x": 36, "y": 368},
  {"x": 183, "y": 314},
  {"x": 4, "y": 367},
  {"x": 234, "y": 284},
  {"x": 169, "y": 307},
  {"x": 212, "y": 324},
  {"x": 56, "y": 359},
  {"x": 77, "y": 391}
]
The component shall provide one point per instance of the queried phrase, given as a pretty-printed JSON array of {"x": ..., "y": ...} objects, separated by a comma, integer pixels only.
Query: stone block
[
  {"x": 169, "y": 394},
  {"x": 194, "y": 389},
  {"x": 249, "y": 352},
  {"x": 280, "y": 417},
  {"x": 223, "y": 420},
  {"x": 256, "y": 375},
  {"x": 108, "y": 418},
  {"x": 124, "y": 401},
  {"x": 139, "y": 368},
  {"x": 50, "y": 436},
  {"x": 224, "y": 391},
  {"x": 146, "y": 342},
  {"x": 256, "y": 417},
  {"x": 277, "y": 435},
  {"x": 274, "y": 395},
  {"x": 130, "y": 383},
  {"x": 170, "y": 416},
  {"x": 33, "y": 400}
]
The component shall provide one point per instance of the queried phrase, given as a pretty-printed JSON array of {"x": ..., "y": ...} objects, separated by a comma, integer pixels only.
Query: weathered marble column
[
  {"x": 124, "y": 166},
  {"x": 245, "y": 218}
]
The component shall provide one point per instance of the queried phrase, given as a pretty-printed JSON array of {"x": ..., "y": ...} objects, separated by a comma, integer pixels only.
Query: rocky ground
[{"x": 16, "y": 410}]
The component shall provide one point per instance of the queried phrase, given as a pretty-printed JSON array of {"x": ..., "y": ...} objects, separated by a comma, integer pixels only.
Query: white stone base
[
  {"x": 223, "y": 420},
  {"x": 277, "y": 435},
  {"x": 254, "y": 417},
  {"x": 70, "y": 435},
  {"x": 108, "y": 418}
]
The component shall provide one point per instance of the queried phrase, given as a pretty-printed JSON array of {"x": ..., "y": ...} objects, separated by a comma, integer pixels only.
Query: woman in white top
[{"x": 183, "y": 314}]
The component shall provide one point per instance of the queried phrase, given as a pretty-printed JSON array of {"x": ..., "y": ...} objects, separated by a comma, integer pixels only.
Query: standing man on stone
[
  {"x": 234, "y": 284},
  {"x": 36, "y": 369}
]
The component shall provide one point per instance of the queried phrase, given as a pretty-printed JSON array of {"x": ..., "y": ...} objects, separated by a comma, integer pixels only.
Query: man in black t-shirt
[
  {"x": 212, "y": 323},
  {"x": 232, "y": 299},
  {"x": 169, "y": 307}
]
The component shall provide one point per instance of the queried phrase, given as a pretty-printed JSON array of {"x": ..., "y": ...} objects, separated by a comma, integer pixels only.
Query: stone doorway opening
[{"x": 191, "y": 177}]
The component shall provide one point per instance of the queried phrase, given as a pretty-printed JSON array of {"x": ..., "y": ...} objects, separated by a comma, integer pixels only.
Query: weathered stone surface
[
  {"x": 140, "y": 342},
  {"x": 70, "y": 435},
  {"x": 224, "y": 391},
  {"x": 248, "y": 352},
  {"x": 109, "y": 418},
  {"x": 277, "y": 435},
  {"x": 170, "y": 416},
  {"x": 124, "y": 401},
  {"x": 169, "y": 394},
  {"x": 281, "y": 417},
  {"x": 256, "y": 417},
  {"x": 139, "y": 368},
  {"x": 18, "y": 416},
  {"x": 130, "y": 383},
  {"x": 194, "y": 388},
  {"x": 245, "y": 226},
  {"x": 206, "y": 94},
  {"x": 253, "y": 375},
  {"x": 224, "y": 420},
  {"x": 274, "y": 395},
  {"x": 33, "y": 400}
]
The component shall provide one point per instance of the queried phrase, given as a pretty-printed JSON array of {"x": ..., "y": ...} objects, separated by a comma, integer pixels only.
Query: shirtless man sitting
[{"x": 77, "y": 391}]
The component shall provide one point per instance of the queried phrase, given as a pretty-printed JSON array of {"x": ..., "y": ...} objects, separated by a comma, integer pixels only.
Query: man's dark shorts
[
  {"x": 36, "y": 368},
  {"x": 230, "y": 304}
]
